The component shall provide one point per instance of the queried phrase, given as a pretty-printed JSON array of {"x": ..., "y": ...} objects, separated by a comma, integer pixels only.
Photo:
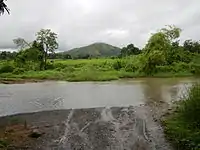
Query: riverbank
[
  {"x": 39, "y": 76},
  {"x": 182, "y": 124}
]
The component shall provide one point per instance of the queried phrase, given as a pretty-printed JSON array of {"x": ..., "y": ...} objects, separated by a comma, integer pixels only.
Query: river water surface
[{"x": 51, "y": 95}]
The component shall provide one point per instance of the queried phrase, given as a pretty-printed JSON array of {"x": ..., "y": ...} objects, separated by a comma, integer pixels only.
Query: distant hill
[{"x": 94, "y": 50}]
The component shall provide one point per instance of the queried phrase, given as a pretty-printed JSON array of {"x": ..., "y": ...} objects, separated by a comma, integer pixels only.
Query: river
[{"x": 51, "y": 95}]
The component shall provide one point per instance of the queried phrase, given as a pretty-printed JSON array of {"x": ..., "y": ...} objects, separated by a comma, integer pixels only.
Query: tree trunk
[{"x": 45, "y": 61}]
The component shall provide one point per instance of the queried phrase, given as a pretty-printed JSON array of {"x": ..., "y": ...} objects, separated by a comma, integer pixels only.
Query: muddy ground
[{"x": 117, "y": 128}]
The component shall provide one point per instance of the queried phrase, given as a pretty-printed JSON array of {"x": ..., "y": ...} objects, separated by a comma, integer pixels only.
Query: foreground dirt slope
[{"x": 119, "y": 128}]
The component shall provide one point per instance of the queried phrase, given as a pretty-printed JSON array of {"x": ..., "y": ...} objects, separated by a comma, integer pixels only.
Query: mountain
[{"x": 94, "y": 50}]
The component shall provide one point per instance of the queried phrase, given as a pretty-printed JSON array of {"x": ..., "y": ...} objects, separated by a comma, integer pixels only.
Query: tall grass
[{"x": 183, "y": 126}]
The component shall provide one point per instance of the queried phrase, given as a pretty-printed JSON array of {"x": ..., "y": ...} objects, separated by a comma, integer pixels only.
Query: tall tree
[
  {"x": 158, "y": 49},
  {"x": 49, "y": 41},
  {"x": 3, "y": 7}
]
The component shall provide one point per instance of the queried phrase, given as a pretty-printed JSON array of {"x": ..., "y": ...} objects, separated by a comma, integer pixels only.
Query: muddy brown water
[
  {"x": 117, "y": 115},
  {"x": 31, "y": 97}
]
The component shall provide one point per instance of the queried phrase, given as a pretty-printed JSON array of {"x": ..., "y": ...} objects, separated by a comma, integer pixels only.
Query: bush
[
  {"x": 181, "y": 67},
  {"x": 195, "y": 68},
  {"x": 18, "y": 70},
  {"x": 117, "y": 65},
  {"x": 6, "y": 69},
  {"x": 130, "y": 67},
  {"x": 164, "y": 69},
  {"x": 183, "y": 127},
  {"x": 191, "y": 106},
  {"x": 50, "y": 66},
  {"x": 68, "y": 69},
  {"x": 59, "y": 65}
]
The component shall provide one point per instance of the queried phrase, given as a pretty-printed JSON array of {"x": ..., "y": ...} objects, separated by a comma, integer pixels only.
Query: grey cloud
[{"x": 81, "y": 22}]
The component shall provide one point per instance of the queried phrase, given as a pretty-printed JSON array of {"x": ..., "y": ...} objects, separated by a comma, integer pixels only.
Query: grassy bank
[
  {"x": 182, "y": 127},
  {"x": 91, "y": 70}
]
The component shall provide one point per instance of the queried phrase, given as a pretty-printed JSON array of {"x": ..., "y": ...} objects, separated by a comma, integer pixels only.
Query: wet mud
[{"x": 116, "y": 128}]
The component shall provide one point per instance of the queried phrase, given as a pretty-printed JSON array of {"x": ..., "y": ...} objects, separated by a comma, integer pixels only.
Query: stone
[{"x": 36, "y": 134}]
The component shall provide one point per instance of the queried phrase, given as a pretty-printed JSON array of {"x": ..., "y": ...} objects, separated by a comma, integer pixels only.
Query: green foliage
[
  {"x": 163, "y": 48},
  {"x": 177, "y": 54},
  {"x": 151, "y": 60},
  {"x": 29, "y": 59},
  {"x": 171, "y": 32},
  {"x": 190, "y": 108},
  {"x": 6, "y": 68},
  {"x": 50, "y": 66},
  {"x": 192, "y": 46},
  {"x": 129, "y": 50},
  {"x": 3, "y": 144},
  {"x": 4, "y": 55},
  {"x": 183, "y": 127},
  {"x": 117, "y": 65},
  {"x": 18, "y": 71},
  {"x": 48, "y": 41},
  {"x": 157, "y": 42}
]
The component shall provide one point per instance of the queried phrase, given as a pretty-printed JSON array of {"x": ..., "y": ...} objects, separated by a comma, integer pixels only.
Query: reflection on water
[{"x": 20, "y": 98}]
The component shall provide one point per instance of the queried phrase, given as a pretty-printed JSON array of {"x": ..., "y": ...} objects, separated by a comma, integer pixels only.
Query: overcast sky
[{"x": 82, "y": 22}]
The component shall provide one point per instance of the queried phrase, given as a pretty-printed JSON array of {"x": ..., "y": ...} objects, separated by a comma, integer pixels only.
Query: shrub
[
  {"x": 183, "y": 126},
  {"x": 195, "y": 68},
  {"x": 164, "y": 69},
  {"x": 6, "y": 69},
  {"x": 50, "y": 66},
  {"x": 130, "y": 67},
  {"x": 191, "y": 106},
  {"x": 59, "y": 65},
  {"x": 117, "y": 65},
  {"x": 18, "y": 70},
  {"x": 181, "y": 66}
]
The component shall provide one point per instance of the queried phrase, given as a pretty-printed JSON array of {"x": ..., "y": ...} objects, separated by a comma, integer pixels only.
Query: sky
[{"x": 83, "y": 22}]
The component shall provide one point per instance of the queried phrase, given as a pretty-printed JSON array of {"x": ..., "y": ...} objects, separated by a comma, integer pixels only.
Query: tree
[
  {"x": 160, "y": 48},
  {"x": 21, "y": 43},
  {"x": 130, "y": 50},
  {"x": 6, "y": 55},
  {"x": 40, "y": 47},
  {"x": 157, "y": 42},
  {"x": 48, "y": 39},
  {"x": 3, "y": 7},
  {"x": 151, "y": 60},
  {"x": 192, "y": 46},
  {"x": 29, "y": 58},
  {"x": 67, "y": 56},
  {"x": 171, "y": 32}
]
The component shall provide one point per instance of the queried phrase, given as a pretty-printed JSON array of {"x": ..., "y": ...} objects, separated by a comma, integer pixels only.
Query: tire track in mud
[
  {"x": 115, "y": 128},
  {"x": 130, "y": 128}
]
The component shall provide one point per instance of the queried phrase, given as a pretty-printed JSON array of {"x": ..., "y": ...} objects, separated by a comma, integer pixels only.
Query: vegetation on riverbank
[
  {"x": 162, "y": 56},
  {"x": 183, "y": 126},
  {"x": 95, "y": 70}
]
